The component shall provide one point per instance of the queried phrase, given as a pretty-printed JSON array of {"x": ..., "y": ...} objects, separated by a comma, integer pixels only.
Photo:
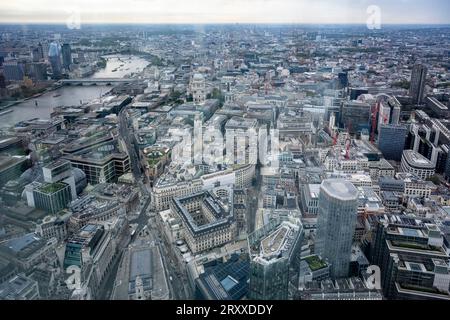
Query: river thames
[{"x": 116, "y": 67}]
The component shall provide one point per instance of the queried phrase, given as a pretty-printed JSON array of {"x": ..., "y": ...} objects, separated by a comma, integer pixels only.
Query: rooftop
[
  {"x": 417, "y": 160},
  {"x": 340, "y": 189}
]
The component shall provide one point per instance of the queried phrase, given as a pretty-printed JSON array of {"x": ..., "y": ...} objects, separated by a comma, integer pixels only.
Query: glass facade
[
  {"x": 52, "y": 197},
  {"x": 391, "y": 141},
  {"x": 336, "y": 225}
]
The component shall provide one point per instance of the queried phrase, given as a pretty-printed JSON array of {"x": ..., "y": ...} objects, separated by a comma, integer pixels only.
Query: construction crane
[
  {"x": 347, "y": 148},
  {"x": 335, "y": 138}
]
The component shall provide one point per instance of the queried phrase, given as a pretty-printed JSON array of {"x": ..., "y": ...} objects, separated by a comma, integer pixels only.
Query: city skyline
[{"x": 226, "y": 11}]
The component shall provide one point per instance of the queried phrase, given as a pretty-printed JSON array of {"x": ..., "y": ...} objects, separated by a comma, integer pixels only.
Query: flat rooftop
[
  {"x": 417, "y": 160},
  {"x": 340, "y": 189}
]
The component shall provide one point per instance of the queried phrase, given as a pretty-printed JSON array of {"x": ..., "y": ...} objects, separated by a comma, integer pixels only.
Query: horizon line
[{"x": 223, "y": 23}]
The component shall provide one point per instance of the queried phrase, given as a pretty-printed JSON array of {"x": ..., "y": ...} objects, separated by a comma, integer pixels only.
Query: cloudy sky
[{"x": 225, "y": 11}]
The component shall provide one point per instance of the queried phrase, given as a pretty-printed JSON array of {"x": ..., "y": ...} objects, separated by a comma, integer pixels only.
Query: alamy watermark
[
  {"x": 373, "y": 281},
  {"x": 237, "y": 147}
]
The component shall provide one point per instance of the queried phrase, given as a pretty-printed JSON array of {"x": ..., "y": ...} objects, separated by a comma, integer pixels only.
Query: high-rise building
[
  {"x": 355, "y": 116},
  {"x": 54, "y": 56},
  {"x": 66, "y": 55},
  {"x": 418, "y": 77},
  {"x": 338, "y": 204},
  {"x": 391, "y": 141},
  {"x": 274, "y": 251},
  {"x": 343, "y": 80},
  {"x": 37, "y": 53},
  {"x": 447, "y": 165},
  {"x": 14, "y": 70},
  {"x": 39, "y": 71}
]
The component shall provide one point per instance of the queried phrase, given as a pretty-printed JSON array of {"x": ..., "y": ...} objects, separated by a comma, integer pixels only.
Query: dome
[{"x": 198, "y": 77}]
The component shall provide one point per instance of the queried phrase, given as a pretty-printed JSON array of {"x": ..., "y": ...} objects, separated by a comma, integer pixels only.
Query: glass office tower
[{"x": 338, "y": 202}]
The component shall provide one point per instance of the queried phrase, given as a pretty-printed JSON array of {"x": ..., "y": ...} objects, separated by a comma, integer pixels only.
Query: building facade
[{"x": 338, "y": 203}]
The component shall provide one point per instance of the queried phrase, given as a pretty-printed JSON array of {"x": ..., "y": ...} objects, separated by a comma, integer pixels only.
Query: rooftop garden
[
  {"x": 153, "y": 161},
  {"x": 414, "y": 246},
  {"x": 315, "y": 263},
  {"x": 154, "y": 157},
  {"x": 52, "y": 187}
]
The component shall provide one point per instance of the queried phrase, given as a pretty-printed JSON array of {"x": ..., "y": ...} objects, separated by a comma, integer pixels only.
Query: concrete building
[
  {"x": 208, "y": 218},
  {"x": 198, "y": 88},
  {"x": 415, "y": 163},
  {"x": 241, "y": 141},
  {"x": 418, "y": 78},
  {"x": 19, "y": 287},
  {"x": 413, "y": 259}
]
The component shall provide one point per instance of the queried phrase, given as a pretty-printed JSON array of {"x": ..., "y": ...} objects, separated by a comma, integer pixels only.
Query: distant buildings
[
  {"x": 198, "y": 88},
  {"x": 336, "y": 224},
  {"x": 54, "y": 56},
  {"x": 418, "y": 78},
  {"x": 66, "y": 53},
  {"x": 14, "y": 71}
]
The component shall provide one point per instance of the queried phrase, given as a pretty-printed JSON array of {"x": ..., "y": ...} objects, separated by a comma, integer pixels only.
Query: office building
[
  {"x": 28, "y": 250},
  {"x": 241, "y": 141},
  {"x": 92, "y": 249},
  {"x": 13, "y": 71},
  {"x": 66, "y": 53},
  {"x": 413, "y": 259},
  {"x": 51, "y": 197},
  {"x": 198, "y": 88},
  {"x": 11, "y": 167},
  {"x": 418, "y": 80},
  {"x": 274, "y": 250},
  {"x": 104, "y": 163},
  {"x": 19, "y": 287},
  {"x": 208, "y": 218},
  {"x": 391, "y": 141},
  {"x": 38, "y": 71},
  {"x": 415, "y": 163},
  {"x": 355, "y": 116},
  {"x": 223, "y": 279},
  {"x": 37, "y": 53},
  {"x": 54, "y": 56},
  {"x": 338, "y": 203}
]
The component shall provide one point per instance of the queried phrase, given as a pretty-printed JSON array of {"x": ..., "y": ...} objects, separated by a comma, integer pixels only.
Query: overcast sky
[{"x": 225, "y": 11}]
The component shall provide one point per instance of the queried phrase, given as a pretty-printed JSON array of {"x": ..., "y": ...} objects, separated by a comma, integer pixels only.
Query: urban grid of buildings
[{"x": 157, "y": 188}]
